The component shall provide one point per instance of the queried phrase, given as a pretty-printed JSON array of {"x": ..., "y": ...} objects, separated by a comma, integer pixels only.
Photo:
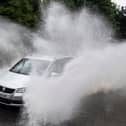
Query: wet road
[
  {"x": 100, "y": 109},
  {"x": 9, "y": 116}
]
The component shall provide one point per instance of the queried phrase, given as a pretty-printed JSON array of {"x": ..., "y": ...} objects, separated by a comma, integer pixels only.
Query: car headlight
[{"x": 20, "y": 90}]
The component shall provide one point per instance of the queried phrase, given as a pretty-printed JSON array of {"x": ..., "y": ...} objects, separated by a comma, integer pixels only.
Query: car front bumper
[{"x": 10, "y": 100}]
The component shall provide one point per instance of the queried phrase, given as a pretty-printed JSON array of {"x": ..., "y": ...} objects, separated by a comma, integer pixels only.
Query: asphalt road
[
  {"x": 9, "y": 116},
  {"x": 100, "y": 109}
]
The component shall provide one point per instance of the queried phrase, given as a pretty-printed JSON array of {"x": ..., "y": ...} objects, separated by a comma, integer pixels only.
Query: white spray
[
  {"x": 14, "y": 42},
  {"x": 99, "y": 65}
]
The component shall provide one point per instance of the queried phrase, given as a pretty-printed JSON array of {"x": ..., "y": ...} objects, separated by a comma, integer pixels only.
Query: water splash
[
  {"x": 98, "y": 64},
  {"x": 14, "y": 42}
]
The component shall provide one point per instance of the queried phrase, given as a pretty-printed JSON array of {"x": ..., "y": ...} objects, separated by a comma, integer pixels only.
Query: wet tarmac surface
[
  {"x": 100, "y": 109},
  {"x": 9, "y": 116}
]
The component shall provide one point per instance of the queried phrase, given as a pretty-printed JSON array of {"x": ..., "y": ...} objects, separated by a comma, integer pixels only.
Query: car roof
[
  {"x": 40, "y": 58},
  {"x": 49, "y": 58}
]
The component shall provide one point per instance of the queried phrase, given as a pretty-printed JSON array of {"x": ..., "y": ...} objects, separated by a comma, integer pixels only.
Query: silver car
[{"x": 13, "y": 83}]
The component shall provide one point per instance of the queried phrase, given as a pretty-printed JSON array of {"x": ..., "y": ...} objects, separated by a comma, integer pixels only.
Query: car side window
[{"x": 59, "y": 65}]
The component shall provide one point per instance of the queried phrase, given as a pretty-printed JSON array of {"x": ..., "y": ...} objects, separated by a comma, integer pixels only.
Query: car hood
[{"x": 14, "y": 80}]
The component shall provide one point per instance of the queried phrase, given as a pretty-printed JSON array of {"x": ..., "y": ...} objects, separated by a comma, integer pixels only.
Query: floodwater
[{"x": 100, "y": 109}]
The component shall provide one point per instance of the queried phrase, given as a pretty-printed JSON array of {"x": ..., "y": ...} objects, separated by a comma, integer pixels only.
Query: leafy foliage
[
  {"x": 74, "y": 4},
  {"x": 21, "y": 11},
  {"x": 27, "y": 12},
  {"x": 122, "y": 25},
  {"x": 114, "y": 15}
]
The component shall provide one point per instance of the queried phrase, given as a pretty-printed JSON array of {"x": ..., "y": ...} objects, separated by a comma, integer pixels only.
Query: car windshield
[{"x": 26, "y": 66}]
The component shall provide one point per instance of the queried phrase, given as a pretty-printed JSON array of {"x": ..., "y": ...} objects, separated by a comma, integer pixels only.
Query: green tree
[
  {"x": 122, "y": 24},
  {"x": 25, "y": 12}
]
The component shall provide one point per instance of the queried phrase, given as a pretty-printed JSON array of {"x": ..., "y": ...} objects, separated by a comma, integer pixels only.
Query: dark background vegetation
[{"x": 27, "y": 12}]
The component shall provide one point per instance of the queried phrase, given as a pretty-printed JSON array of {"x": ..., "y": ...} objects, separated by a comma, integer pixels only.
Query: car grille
[
  {"x": 9, "y": 101},
  {"x": 6, "y": 90}
]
